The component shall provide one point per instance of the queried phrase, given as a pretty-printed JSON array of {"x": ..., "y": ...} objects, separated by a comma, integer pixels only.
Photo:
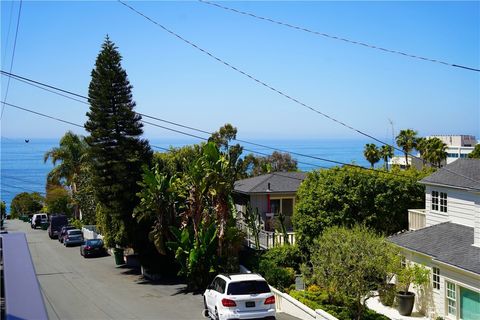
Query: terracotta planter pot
[{"x": 405, "y": 302}]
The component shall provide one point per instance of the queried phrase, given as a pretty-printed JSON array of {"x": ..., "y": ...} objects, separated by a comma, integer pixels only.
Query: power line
[
  {"x": 274, "y": 89},
  {"x": 210, "y": 133},
  {"x": 21, "y": 180},
  {"x": 326, "y": 35},
  {"x": 20, "y": 188},
  {"x": 8, "y": 32},
  {"x": 13, "y": 57},
  {"x": 295, "y": 100}
]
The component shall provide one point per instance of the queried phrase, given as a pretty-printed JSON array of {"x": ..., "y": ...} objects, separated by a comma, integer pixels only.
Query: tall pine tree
[{"x": 117, "y": 150}]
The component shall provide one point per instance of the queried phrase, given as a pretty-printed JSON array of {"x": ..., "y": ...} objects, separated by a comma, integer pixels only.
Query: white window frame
[
  {"x": 451, "y": 299},
  {"x": 439, "y": 201},
  {"x": 436, "y": 278},
  {"x": 281, "y": 201}
]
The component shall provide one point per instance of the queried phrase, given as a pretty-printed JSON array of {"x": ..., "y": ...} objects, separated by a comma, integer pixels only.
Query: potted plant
[{"x": 411, "y": 274}]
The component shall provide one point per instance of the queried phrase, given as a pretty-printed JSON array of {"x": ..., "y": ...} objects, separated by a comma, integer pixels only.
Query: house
[
  {"x": 445, "y": 237},
  {"x": 270, "y": 194}
]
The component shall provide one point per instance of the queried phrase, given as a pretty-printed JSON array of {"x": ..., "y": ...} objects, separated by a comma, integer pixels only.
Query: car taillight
[
  {"x": 228, "y": 303},
  {"x": 88, "y": 247},
  {"x": 270, "y": 300}
]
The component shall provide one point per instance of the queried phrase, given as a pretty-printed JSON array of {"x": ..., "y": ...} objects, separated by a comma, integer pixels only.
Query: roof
[
  {"x": 446, "y": 242},
  {"x": 462, "y": 173},
  {"x": 243, "y": 277},
  {"x": 276, "y": 182}
]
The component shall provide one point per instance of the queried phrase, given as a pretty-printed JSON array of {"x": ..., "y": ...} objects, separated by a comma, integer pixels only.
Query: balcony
[
  {"x": 416, "y": 219},
  {"x": 266, "y": 239}
]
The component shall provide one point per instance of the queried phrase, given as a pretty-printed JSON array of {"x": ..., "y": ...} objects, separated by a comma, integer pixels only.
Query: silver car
[{"x": 73, "y": 237}]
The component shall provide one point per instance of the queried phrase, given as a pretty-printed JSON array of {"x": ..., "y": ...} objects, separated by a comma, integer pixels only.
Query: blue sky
[{"x": 59, "y": 41}]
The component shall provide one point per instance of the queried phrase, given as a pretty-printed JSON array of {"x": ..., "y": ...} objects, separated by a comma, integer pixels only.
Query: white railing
[
  {"x": 416, "y": 219},
  {"x": 267, "y": 239}
]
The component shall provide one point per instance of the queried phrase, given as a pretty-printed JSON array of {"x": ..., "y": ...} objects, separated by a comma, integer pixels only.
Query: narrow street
[{"x": 77, "y": 288}]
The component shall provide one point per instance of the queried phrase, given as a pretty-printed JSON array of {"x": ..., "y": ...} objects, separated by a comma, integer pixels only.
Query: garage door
[{"x": 469, "y": 304}]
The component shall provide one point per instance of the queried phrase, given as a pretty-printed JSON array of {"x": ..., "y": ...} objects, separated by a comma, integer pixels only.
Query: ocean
[{"x": 23, "y": 168}]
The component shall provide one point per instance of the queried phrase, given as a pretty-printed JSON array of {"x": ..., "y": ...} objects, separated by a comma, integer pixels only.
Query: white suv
[{"x": 239, "y": 296}]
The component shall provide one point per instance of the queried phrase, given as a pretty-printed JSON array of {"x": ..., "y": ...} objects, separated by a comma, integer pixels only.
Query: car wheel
[{"x": 216, "y": 314}]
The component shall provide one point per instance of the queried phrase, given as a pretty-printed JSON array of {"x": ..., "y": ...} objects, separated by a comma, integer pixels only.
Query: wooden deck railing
[{"x": 416, "y": 219}]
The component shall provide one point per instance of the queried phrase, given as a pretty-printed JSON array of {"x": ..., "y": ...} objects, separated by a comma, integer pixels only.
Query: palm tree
[
  {"x": 422, "y": 147},
  {"x": 436, "y": 151},
  {"x": 371, "y": 153},
  {"x": 386, "y": 152},
  {"x": 407, "y": 140},
  {"x": 71, "y": 154}
]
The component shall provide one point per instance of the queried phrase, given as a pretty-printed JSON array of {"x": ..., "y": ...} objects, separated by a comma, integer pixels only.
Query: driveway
[{"x": 78, "y": 288}]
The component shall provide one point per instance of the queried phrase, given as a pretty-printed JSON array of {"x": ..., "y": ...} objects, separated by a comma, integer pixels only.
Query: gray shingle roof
[
  {"x": 279, "y": 182},
  {"x": 462, "y": 173},
  {"x": 445, "y": 242}
]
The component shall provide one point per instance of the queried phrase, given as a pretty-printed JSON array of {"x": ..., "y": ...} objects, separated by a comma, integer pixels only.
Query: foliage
[
  {"x": 3, "y": 209},
  {"x": 84, "y": 198},
  {"x": 351, "y": 263},
  {"x": 58, "y": 200},
  {"x": 407, "y": 140},
  {"x": 76, "y": 223},
  {"x": 432, "y": 150},
  {"x": 276, "y": 162},
  {"x": 116, "y": 150},
  {"x": 72, "y": 155},
  {"x": 26, "y": 203},
  {"x": 278, "y": 277},
  {"x": 254, "y": 223},
  {"x": 196, "y": 255},
  {"x": 284, "y": 256},
  {"x": 386, "y": 152},
  {"x": 412, "y": 273},
  {"x": 475, "y": 154},
  {"x": 372, "y": 154},
  {"x": 318, "y": 299},
  {"x": 346, "y": 196},
  {"x": 176, "y": 160}
]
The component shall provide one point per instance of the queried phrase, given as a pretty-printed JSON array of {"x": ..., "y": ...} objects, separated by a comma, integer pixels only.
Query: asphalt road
[{"x": 77, "y": 288}]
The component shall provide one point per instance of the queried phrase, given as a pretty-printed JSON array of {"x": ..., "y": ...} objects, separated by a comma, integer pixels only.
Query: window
[
  {"x": 439, "y": 201},
  {"x": 436, "y": 278},
  {"x": 451, "y": 299}
]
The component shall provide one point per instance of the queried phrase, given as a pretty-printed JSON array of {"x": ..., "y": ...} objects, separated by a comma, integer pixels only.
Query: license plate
[{"x": 250, "y": 304}]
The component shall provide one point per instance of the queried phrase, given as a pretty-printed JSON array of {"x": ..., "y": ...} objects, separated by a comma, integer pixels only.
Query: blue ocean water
[{"x": 23, "y": 168}]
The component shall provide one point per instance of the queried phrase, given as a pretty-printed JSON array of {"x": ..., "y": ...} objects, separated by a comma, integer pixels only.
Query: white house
[{"x": 445, "y": 237}]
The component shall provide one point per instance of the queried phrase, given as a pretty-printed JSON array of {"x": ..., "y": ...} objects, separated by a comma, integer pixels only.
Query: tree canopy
[
  {"x": 347, "y": 196},
  {"x": 26, "y": 203},
  {"x": 117, "y": 151}
]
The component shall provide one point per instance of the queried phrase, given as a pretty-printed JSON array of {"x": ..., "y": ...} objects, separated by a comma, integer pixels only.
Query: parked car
[
  {"x": 92, "y": 247},
  {"x": 239, "y": 296},
  {"x": 63, "y": 232},
  {"x": 55, "y": 225},
  {"x": 38, "y": 219},
  {"x": 74, "y": 236}
]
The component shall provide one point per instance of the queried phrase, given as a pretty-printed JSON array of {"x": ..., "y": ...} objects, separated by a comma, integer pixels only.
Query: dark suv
[{"x": 55, "y": 225}]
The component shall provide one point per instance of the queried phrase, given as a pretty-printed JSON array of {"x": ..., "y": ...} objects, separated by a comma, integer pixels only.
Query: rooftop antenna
[{"x": 393, "y": 131}]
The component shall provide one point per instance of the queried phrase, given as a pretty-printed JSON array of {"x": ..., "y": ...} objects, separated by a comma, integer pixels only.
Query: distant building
[{"x": 458, "y": 147}]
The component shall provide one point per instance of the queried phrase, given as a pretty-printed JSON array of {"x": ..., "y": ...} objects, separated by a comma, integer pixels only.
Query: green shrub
[
  {"x": 284, "y": 256},
  {"x": 342, "y": 310},
  {"x": 277, "y": 276}
]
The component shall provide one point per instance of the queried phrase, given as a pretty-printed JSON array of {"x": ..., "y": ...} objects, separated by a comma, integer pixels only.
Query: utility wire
[
  {"x": 8, "y": 32},
  {"x": 326, "y": 35},
  {"x": 20, "y": 188},
  {"x": 13, "y": 57},
  {"x": 260, "y": 81},
  {"x": 209, "y": 133},
  {"x": 21, "y": 180},
  {"x": 206, "y": 139},
  {"x": 274, "y": 89}
]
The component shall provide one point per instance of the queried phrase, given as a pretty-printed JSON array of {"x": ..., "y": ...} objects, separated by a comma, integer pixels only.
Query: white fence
[{"x": 91, "y": 232}]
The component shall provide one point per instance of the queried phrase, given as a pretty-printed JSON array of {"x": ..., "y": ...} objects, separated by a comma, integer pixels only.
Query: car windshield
[
  {"x": 248, "y": 287},
  {"x": 75, "y": 232},
  {"x": 95, "y": 242}
]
